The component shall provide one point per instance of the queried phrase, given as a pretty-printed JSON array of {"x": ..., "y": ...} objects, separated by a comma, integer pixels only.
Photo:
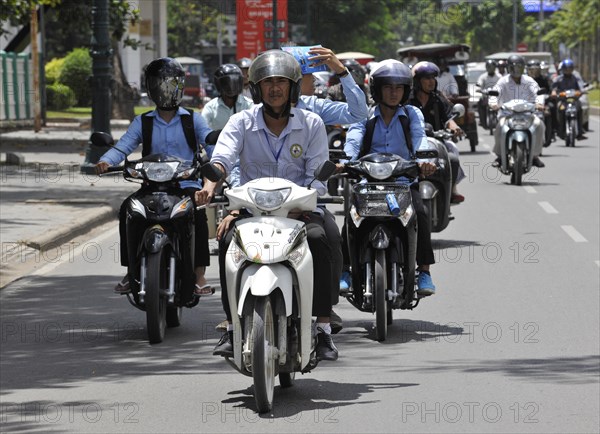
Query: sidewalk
[{"x": 44, "y": 199}]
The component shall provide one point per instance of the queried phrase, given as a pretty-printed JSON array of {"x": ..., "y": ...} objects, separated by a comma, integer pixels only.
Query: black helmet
[
  {"x": 515, "y": 66},
  {"x": 501, "y": 64},
  {"x": 275, "y": 63},
  {"x": 490, "y": 66},
  {"x": 244, "y": 62},
  {"x": 165, "y": 82},
  {"x": 533, "y": 67},
  {"x": 356, "y": 70},
  {"x": 229, "y": 80},
  {"x": 390, "y": 71}
]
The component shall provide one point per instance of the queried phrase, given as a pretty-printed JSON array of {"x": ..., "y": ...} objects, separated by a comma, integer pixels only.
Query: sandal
[{"x": 203, "y": 290}]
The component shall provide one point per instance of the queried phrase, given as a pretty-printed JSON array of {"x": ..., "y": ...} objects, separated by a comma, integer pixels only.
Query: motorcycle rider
[
  {"x": 390, "y": 85},
  {"x": 244, "y": 63},
  {"x": 229, "y": 81},
  {"x": 358, "y": 73},
  {"x": 485, "y": 81},
  {"x": 276, "y": 139},
  {"x": 567, "y": 80},
  {"x": 446, "y": 82},
  {"x": 516, "y": 85},
  {"x": 165, "y": 82},
  {"x": 534, "y": 70},
  {"x": 502, "y": 67},
  {"x": 437, "y": 110}
]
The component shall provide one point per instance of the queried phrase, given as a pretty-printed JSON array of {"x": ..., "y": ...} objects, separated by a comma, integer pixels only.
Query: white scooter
[
  {"x": 516, "y": 138},
  {"x": 269, "y": 271}
]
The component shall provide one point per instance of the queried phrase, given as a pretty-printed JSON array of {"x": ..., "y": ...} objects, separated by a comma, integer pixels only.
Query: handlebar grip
[{"x": 112, "y": 169}]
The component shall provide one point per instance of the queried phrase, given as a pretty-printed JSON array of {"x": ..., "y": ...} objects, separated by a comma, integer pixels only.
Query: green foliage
[
  {"x": 59, "y": 97},
  {"x": 75, "y": 73},
  {"x": 576, "y": 22},
  {"x": 52, "y": 70}
]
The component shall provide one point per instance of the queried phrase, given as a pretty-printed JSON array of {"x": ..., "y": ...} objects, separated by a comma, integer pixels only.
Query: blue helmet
[
  {"x": 390, "y": 71},
  {"x": 567, "y": 63}
]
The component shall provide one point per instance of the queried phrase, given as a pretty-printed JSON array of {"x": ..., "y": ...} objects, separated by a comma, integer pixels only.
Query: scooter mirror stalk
[{"x": 101, "y": 140}]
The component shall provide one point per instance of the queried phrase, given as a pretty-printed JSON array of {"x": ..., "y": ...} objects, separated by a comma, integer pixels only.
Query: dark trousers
[
  {"x": 202, "y": 254},
  {"x": 333, "y": 235},
  {"x": 320, "y": 248}
]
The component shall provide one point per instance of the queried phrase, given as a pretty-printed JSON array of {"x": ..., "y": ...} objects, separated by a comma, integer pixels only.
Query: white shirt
[
  {"x": 509, "y": 90},
  {"x": 446, "y": 83},
  {"x": 216, "y": 113},
  {"x": 293, "y": 155},
  {"x": 486, "y": 80}
]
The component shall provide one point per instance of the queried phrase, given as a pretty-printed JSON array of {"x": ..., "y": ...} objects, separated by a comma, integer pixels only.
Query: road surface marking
[
  {"x": 530, "y": 189},
  {"x": 598, "y": 263},
  {"x": 572, "y": 232},
  {"x": 548, "y": 208}
]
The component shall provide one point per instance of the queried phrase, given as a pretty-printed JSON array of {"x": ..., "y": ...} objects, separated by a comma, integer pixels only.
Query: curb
[{"x": 87, "y": 221}]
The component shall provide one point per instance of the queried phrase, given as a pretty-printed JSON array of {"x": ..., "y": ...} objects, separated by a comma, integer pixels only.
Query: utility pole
[
  {"x": 35, "y": 58},
  {"x": 541, "y": 26},
  {"x": 275, "y": 35},
  {"x": 101, "y": 80},
  {"x": 514, "y": 36}
]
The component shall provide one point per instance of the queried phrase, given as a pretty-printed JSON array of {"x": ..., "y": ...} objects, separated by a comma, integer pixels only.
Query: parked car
[
  {"x": 456, "y": 56},
  {"x": 474, "y": 71}
]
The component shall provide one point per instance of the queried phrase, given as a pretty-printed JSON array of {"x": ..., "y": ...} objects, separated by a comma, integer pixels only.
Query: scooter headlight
[
  {"x": 160, "y": 172},
  {"x": 269, "y": 200},
  {"x": 380, "y": 170},
  {"x": 520, "y": 122}
]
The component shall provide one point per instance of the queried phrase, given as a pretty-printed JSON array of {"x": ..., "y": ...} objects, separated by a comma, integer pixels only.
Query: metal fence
[{"x": 16, "y": 97}]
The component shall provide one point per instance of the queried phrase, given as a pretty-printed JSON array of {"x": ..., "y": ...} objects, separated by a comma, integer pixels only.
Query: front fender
[
  {"x": 155, "y": 238},
  {"x": 261, "y": 280}
]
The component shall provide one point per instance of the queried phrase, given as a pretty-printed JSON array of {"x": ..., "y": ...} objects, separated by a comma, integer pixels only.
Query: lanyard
[{"x": 276, "y": 156}]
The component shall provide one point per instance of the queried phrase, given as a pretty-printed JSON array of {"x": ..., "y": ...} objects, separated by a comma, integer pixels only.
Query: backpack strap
[
  {"x": 370, "y": 129},
  {"x": 187, "y": 123},
  {"x": 147, "y": 124}
]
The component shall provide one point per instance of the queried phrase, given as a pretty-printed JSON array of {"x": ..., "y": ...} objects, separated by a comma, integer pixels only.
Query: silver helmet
[{"x": 275, "y": 63}]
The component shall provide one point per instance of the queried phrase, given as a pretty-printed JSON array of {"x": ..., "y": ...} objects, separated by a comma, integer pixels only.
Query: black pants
[
  {"x": 202, "y": 254},
  {"x": 424, "y": 249},
  {"x": 333, "y": 235},
  {"x": 320, "y": 249}
]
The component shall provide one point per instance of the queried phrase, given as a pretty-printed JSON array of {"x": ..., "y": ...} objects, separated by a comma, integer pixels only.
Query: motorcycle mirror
[
  {"x": 101, "y": 139},
  {"x": 211, "y": 172},
  {"x": 428, "y": 129},
  {"x": 325, "y": 171},
  {"x": 493, "y": 93},
  {"x": 458, "y": 110}
]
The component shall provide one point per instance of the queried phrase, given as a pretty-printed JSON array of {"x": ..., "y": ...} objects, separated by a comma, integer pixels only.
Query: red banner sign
[{"x": 255, "y": 26}]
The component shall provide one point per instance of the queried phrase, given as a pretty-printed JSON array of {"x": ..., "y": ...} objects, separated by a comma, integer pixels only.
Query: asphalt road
[{"x": 510, "y": 343}]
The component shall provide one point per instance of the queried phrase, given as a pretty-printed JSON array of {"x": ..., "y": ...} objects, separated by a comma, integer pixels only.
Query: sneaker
[
  {"x": 336, "y": 323},
  {"x": 425, "y": 285},
  {"x": 123, "y": 286},
  {"x": 535, "y": 161},
  {"x": 325, "y": 348},
  {"x": 497, "y": 162},
  {"x": 345, "y": 281},
  {"x": 225, "y": 346}
]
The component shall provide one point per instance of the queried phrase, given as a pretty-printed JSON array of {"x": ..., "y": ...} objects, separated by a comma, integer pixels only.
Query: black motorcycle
[
  {"x": 381, "y": 235},
  {"x": 160, "y": 238}
]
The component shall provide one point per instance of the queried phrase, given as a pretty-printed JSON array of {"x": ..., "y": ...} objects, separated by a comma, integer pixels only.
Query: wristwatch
[{"x": 344, "y": 73}]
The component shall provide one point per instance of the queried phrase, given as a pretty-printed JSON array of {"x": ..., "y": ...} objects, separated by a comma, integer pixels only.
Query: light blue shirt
[
  {"x": 167, "y": 138},
  {"x": 336, "y": 112},
  {"x": 216, "y": 113},
  {"x": 293, "y": 155},
  {"x": 388, "y": 138}
]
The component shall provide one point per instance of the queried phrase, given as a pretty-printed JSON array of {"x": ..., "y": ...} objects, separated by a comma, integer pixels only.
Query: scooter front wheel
[
  {"x": 263, "y": 354},
  {"x": 156, "y": 303},
  {"x": 381, "y": 303}
]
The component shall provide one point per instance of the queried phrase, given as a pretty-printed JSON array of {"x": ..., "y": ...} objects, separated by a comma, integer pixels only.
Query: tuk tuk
[
  {"x": 456, "y": 56},
  {"x": 197, "y": 86}
]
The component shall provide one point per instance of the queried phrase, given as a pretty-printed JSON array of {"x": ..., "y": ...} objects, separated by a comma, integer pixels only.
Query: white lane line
[
  {"x": 530, "y": 189},
  {"x": 572, "y": 232},
  {"x": 598, "y": 263},
  {"x": 548, "y": 208}
]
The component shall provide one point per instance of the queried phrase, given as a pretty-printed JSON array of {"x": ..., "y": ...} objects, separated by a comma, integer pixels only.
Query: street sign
[
  {"x": 255, "y": 26},
  {"x": 522, "y": 47}
]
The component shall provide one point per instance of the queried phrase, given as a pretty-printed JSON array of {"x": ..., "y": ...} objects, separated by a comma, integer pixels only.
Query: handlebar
[{"x": 331, "y": 199}]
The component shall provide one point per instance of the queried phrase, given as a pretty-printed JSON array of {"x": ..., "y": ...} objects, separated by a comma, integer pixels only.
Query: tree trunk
[{"x": 124, "y": 96}]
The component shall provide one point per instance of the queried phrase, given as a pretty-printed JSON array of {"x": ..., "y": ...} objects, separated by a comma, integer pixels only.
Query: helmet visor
[
  {"x": 231, "y": 85},
  {"x": 166, "y": 92}
]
